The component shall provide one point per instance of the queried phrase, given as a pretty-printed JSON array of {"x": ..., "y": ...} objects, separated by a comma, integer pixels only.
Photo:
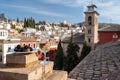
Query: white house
[
  {"x": 3, "y": 33},
  {"x": 7, "y": 45}
]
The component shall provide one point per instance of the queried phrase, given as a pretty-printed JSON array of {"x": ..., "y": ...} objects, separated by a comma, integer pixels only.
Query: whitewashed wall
[{"x": 5, "y": 50}]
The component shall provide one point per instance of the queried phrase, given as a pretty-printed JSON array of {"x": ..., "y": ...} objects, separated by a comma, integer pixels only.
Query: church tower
[{"x": 91, "y": 24}]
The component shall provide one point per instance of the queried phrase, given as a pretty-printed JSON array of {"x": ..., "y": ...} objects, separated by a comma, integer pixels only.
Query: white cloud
[{"x": 110, "y": 11}]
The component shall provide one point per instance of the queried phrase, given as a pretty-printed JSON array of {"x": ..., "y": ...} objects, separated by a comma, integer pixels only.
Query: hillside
[{"x": 101, "y": 24}]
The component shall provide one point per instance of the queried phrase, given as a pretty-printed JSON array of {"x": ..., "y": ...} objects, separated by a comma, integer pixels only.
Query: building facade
[
  {"x": 31, "y": 41},
  {"x": 109, "y": 34},
  {"x": 7, "y": 45},
  {"x": 3, "y": 33}
]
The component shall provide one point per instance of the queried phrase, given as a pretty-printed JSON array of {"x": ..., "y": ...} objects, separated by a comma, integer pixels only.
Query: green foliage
[
  {"x": 25, "y": 23},
  {"x": 17, "y": 20},
  {"x": 64, "y": 25},
  {"x": 41, "y": 23},
  {"x": 85, "y": 51},
  {"x": 12, "y": 26},
  {"x": 30, "y": 22},
  {"x": 59, "y": 58},
  {"x": 19, "y": 30},
  {"x": 72, "y": 59}
]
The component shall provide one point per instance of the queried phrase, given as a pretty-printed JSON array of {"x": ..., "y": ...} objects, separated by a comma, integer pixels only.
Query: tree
[
  {"x": 59, "y": 58},
  {"x": 12, "y": 26},
  {"x": 62, "y": 24},
  {"x": 17, "y": 20},
  {"x": 25, "y": 23},
  {"x": 44, "y": 23},
  {"x": 85, "y": 51},
  {"x": 72, "y": 59},
  {"x": 30, "y": 22},
  {"x": 33, "y": 23}
]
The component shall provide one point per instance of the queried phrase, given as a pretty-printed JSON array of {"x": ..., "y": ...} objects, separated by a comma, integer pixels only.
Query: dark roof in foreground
[
  {"x": 77, "y": 38},
  {"x": 115, "y": 75},
  {"x": 110, "y": 28},
  {"x": 98, "y": 63}
]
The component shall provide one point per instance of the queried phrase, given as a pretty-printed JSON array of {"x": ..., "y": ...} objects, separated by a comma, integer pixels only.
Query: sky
[{"x": 60, "y": 10}]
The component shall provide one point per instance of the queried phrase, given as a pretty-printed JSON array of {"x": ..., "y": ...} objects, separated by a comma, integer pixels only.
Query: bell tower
[{"x": 91, "y": 24}]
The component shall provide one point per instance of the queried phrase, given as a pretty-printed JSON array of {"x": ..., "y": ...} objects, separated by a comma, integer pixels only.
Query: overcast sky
[{"x": 60, "y": 10}]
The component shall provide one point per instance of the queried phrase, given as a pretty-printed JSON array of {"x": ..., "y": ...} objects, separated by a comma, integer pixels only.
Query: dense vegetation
[
  {"x": 85, "y": 51},
  {"x": 72, "y": 58},
  {"x": 30, "y": 22},
  {"x": 68, "y": 62}
]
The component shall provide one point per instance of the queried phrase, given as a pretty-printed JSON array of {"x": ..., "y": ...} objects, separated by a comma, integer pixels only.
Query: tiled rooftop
[
  {"x": 98, "y": 63},
  {"x": 115, "y": 75},
  {"x": 79, "y": 37},
  {"x": 110, "y": 28},
  {"x": 28, "y": 39}
]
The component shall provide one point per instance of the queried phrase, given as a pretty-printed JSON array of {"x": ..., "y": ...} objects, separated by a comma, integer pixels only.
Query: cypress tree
[
  {"x": 59, "y": 58},
  {"x": 17, "y": 20},
  {"x": 25, "y": 23},
  {"x": 72, "y": 59},
  {"x": 85, "y": 51}
]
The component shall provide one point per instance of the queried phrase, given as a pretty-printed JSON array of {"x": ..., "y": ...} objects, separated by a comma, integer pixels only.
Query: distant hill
[
  {"x": 105, "y": 24},
  {"x": 100, "y": 24}
]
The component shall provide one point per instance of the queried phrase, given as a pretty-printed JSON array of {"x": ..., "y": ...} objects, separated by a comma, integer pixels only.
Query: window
[
  {"x": 89, "y": 40},
  {"x": 3, "y": 33},
  {"x": 89, "y": 31},
  {"x": 90, "y": 20},
  {"x": 0, "y": 33},
  {"x": 9, "y": 48},
  {"x": 115, "y": 35}
]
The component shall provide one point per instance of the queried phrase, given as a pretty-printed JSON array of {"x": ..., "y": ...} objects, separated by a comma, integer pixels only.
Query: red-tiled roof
[{"x": 28, "y": 39}]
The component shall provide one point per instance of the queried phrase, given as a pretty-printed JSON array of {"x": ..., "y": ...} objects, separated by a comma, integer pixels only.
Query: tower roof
[
  {"x": 91, "y": 9},
  {"x": 93, "y": 5}
]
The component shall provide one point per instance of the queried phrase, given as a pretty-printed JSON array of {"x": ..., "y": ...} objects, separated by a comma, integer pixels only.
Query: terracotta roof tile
[{"x": 28, "y": 39}]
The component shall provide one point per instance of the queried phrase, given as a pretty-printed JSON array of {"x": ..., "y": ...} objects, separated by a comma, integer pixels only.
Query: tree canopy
[
  {"x": 30, "y": 22},
  {"x": 59, "y": 58},
  {"x": 72, "y": 59}
]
